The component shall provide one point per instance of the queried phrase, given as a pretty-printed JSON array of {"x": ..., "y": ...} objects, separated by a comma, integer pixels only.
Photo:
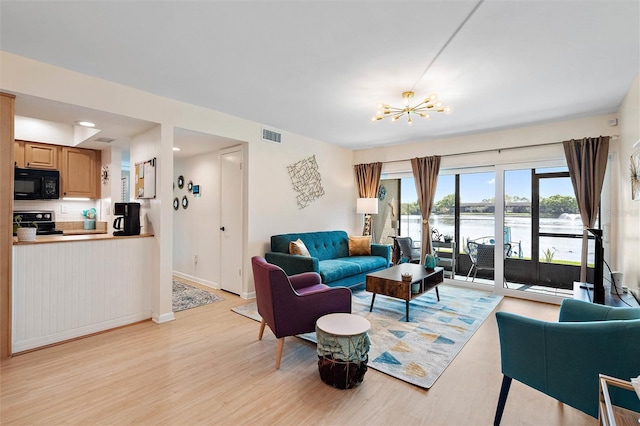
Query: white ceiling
[{"x": 318, "y": 68}]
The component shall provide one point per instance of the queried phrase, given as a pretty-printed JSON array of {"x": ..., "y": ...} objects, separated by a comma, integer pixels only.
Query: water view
[{"x": 481, "y": 227}]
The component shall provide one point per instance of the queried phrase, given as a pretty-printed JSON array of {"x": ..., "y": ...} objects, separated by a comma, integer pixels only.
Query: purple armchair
[{"x": 291, "y": 305}]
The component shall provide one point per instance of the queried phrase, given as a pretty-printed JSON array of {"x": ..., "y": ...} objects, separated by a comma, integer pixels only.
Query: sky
[{"x": 475, "y": 187}]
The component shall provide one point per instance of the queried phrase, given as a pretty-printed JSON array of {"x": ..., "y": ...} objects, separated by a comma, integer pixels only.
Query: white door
[{"x": 231, "y": 213}]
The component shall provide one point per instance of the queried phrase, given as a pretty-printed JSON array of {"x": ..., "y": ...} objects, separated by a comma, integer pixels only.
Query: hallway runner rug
[
  {"x": 186, "y": 296},
  {"x": 417, "y": 351}
]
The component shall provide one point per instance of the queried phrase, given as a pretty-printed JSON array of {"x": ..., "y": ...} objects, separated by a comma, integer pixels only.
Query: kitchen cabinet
[
  {"x": 35, "y": 155},
  {"x": 41, "y": 156},
  {"x": 18, "y": 154},
  {"x": 79, "y": 174}
]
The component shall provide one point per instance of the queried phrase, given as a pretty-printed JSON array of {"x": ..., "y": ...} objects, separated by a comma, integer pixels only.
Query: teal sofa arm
[
  {"x": 293, "y": 264},
  {"x": 382, "y": 250},
  {"x": 564, "y": 359}
]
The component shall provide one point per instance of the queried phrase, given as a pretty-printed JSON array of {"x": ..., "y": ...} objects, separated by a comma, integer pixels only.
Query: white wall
[
  {"x": 270, "y": 201},
  {"x": 157, "y": 143},
  {"x": 273, "y": 208},
  {"x": 196, "y": 229},
  {"x": 628, "y": 210}
]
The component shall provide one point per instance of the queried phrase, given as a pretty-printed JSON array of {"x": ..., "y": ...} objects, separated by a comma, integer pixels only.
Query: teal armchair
[{"x": 563, "y": 359}]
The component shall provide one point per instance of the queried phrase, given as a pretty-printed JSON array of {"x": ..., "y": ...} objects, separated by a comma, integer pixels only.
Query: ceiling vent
[
  {"x": 271, "y": 136},
  {"x": 106, "y": 140}
]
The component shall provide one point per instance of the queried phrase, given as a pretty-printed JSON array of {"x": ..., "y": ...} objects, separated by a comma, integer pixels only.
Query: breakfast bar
[{"x": 65, "y": 287}]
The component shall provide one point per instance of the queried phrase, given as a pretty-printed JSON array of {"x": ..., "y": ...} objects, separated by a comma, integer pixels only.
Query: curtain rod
[{"x": 499, "y": 150}]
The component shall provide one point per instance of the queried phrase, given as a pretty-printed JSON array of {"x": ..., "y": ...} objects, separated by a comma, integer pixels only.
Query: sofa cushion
[
  {"x": 368, "y": 263},
  {"x": 298, "y": 247},
  {"x": 335, "y": 269},
  {"x": 360, "y": 246}
]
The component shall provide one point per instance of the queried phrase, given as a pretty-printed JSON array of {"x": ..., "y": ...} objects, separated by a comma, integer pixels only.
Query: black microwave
[{"x": 36, "y": 184}]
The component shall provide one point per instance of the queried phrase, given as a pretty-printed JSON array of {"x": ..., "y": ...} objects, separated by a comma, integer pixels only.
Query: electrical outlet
[
  {"x": 63, "y": 209},
  {"x": 195, "y": 258}
]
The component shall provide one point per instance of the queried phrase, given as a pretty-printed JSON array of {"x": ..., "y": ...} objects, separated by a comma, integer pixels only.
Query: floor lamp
[{"x": 367, "y": 207}]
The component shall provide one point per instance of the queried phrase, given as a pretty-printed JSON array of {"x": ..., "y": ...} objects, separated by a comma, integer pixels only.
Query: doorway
[{"x": 231, "y": 219}]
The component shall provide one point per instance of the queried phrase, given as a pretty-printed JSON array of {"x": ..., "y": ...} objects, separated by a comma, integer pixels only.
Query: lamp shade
[{"x": 367, "y": 206}]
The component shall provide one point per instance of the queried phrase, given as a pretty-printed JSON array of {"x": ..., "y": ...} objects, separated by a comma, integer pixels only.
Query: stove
[{"x": 44, "y": 219}]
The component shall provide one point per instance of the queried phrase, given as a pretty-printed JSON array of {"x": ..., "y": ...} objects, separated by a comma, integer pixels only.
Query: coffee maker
[{"x": 129, "y": 221}]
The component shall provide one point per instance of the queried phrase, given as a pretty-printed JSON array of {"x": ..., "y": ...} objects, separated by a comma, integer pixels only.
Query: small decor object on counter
[
  {"x": 90, "y": 221},
  {"x": 407, "y": 277},
  {"x": 25, "y": 232}
]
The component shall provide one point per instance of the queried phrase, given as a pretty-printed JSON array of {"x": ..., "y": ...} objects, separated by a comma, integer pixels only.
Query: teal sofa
[
  {"x": 329, "y": 257},
  {"x": 563, "y": 359}
]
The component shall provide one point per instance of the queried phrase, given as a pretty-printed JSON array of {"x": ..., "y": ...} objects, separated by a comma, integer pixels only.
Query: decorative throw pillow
[
  {"x": 360, "y": 246},
  {"x": 298, "y": 247}
]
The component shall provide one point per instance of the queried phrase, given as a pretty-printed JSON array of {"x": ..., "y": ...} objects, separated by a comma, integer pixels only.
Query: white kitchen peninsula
[{"x": 66, "y": 287}]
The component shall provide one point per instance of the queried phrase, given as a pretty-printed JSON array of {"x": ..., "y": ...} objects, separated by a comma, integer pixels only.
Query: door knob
[{"x": 222, "y": 228}]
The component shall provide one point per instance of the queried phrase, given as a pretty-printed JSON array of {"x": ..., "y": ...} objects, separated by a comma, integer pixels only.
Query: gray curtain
[
  {"x": 587, "y": 162},
  {"x": 368, "y": 179},
  {"x": 425, "y": 173}
]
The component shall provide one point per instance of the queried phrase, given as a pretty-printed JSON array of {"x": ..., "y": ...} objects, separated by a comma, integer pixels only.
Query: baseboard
[
  {"x": 159, "y": 319},
  {"x": 54, "y": 338},
  {"x": 198, "y": 280}
]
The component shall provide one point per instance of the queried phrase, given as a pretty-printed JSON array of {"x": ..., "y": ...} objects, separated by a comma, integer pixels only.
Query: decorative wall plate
[
  {"x": 180, "y": 181},
  {"x": 176, "y": 203},
  {"x": 104, "y": 175},
  {"x": 185, "y": 202}
]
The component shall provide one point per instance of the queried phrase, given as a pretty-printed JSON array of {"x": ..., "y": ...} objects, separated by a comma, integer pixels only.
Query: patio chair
[
  {"x": 408, "y": 253},
  {"x": 483, "y": 257}
]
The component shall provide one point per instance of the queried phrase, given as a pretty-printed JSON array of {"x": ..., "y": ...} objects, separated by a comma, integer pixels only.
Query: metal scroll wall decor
[{"x": 305, "y": 179}]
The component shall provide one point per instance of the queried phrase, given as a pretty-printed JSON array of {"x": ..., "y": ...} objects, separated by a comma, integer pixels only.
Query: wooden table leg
[
  {"x": 373, "y": 298},
  {"x": 407, "y": 311},
  {"x": 437, "y": 293}
]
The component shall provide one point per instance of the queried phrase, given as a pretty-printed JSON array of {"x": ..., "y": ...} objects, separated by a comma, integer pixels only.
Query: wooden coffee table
[{"x": 388, "y": 282}]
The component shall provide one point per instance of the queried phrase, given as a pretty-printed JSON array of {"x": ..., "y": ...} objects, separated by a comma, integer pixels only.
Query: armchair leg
[
  {"x": 261, "y": 332},
  {"x": 502, "y": 400},
  {"x": 279, "y": 352}
]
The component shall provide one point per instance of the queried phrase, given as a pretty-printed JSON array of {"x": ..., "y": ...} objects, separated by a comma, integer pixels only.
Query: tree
[
  {"x": 446, "y": 204},
  {"x": 410, "y": 208},
  {"x": 555, "y": 205}
]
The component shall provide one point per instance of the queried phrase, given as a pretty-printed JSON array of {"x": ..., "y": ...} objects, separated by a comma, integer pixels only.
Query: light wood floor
[{"x": 207, "y": 367}]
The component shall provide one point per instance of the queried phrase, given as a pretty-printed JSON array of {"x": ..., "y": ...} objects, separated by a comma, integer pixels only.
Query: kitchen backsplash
[{"x": 64, "y": 210}]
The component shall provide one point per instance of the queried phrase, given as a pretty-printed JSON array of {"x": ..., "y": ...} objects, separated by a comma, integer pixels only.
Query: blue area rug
[{"x": 417, "y": 351}]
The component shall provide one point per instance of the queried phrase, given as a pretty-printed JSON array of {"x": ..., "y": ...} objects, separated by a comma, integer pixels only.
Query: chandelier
[{"x": 423, "y": 109}]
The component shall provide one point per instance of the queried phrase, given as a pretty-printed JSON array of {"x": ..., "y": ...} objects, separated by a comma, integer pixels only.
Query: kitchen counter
[{"x": 66, "y": 238}]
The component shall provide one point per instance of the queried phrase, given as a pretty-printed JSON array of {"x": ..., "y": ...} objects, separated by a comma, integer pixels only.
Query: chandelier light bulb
[{"x": 421, "y": 108}]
